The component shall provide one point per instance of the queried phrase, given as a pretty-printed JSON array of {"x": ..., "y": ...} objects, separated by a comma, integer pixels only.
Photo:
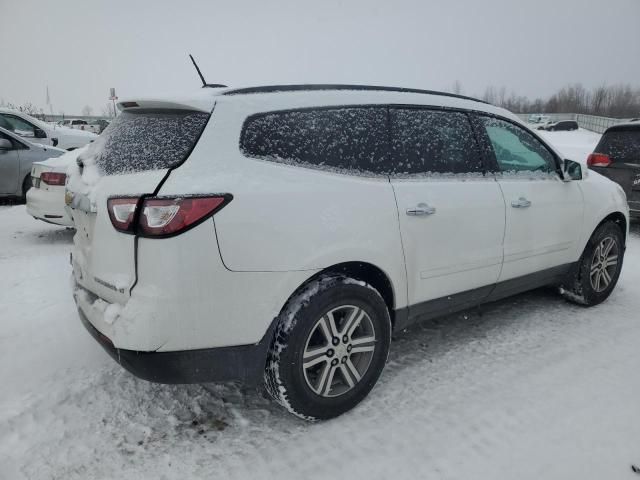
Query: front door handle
[
  {"x": 420, "y": 210},
  {"x": 521, "y": 203}
]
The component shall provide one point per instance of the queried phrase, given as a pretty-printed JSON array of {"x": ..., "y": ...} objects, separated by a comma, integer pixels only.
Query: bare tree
[
  {"x": 86, "y": 111},
  {"x": 457, "y": 87}
]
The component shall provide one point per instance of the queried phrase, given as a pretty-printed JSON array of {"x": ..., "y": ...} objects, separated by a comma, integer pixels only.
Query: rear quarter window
[
  {"x": 141, "y": 140},
  {"x": 347, "y": 139}
]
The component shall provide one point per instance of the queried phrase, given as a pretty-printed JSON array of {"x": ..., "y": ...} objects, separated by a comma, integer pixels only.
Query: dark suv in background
[{"x": 617, "y": 157}]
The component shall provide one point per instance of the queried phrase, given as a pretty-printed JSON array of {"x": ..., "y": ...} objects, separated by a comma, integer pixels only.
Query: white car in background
[
  {"x": 45, "y": 199},
  {"x": 80, "y": 124},
  {"x": 42, "y": 132}
]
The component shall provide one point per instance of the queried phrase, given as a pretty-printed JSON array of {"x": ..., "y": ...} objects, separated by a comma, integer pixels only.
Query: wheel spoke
[
  {"x": 326, "y": 386},
  {"x": 611, "y": 261},
  {"x": 323, "y": 377},
  {"x": 310, "y": 355},
  {"x": 352, "y": 370},
  {"x": 605, "y": 277},
  {"x": 347, "y": 377},
  {"x": 607, "y": 248},
  {"x": 363, "y": 349},
  {"x": 594, "y": 269},
  {"x": 352, "y": 322},
  {"x": 363, "y": 340},
  {"x": 597, "y": 284},
  {"x": 325, "y": 329},
  {"x": 332, "y": 325}
]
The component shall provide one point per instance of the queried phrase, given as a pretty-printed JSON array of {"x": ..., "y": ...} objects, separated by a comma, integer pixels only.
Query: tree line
[{"x": 617, "y": 101}]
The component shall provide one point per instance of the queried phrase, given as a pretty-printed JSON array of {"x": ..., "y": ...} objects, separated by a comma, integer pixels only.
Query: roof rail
[{"x": 316, "y": 87}]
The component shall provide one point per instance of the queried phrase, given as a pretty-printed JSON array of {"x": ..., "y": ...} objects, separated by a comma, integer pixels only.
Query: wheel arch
[
  {"x": 365, "y": 272},
  {"x": 619, "y": 219}
]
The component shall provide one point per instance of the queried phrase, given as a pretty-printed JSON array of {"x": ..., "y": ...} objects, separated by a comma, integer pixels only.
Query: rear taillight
[
  {"x": 598, "y": 160},
  {"x": 163, "y": 216},
  {"x": 122, "y": 212},
  {"x": 53, "y": 178}
]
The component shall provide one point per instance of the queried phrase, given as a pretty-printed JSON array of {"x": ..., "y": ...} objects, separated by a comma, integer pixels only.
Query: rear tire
[
  {"x": 329, "y": 348},
  {"x": 26, "y": 185},
  {"x": 596, "y": 273}
]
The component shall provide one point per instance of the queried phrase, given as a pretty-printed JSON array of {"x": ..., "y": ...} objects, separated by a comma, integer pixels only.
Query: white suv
[{"x": 285, "y": 232}]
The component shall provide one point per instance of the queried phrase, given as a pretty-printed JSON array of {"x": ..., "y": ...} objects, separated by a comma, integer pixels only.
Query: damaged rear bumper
[{"x": 244, "y": 363}]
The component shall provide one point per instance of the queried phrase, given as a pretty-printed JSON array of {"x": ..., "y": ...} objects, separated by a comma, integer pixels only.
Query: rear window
[
  {"x": 621, "y": 145},
  {"x": 350, "y": 139},
  {"x": 136, "y": 141}
]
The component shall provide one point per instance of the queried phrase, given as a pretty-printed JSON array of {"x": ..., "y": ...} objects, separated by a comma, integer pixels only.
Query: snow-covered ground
[
  {"x": 574, "y": 145},
  {"x": 528, "y": 388}
]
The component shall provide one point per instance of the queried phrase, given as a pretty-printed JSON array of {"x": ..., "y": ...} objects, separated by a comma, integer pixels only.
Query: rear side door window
[
  {"x": 348, "y": 139},
  {"x": 515, "y": 149},
  {"x": 432, "y": 142}
]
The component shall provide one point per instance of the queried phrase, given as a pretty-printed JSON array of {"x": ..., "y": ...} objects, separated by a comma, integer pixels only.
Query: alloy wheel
[
  {"x": 338, "y": 351},
  {"x": 604, "y": 264}
]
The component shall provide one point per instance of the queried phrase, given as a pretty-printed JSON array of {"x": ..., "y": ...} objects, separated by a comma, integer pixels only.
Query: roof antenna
[{"x": 204, "y": 82}]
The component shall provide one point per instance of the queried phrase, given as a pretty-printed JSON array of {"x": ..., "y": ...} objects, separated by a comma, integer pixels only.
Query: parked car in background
[
  {"x": 617, "y": 156},
  {"x": 16, "y": 157},
  {"x": 562, "y": 125},
  {"x": 284, "y": 236},
  {"x": 45, "y": 199},
  {"x": 537, "y": 118},
  {"x": 101, "y": 124},
  {"x": 79, "y": 124},
  {"x": 45, "y": 133}
]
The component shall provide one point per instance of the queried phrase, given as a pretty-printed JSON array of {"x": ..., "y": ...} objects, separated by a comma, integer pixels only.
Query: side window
[
  {"x": 347, "y": 138},
  {"x": 4, "y": 123},
  {"x": 19, "y": 126},
  {"x": 432, "y": 141},
  {"x": 7, "y": 137},
  {"x": 516, "y": 149}
]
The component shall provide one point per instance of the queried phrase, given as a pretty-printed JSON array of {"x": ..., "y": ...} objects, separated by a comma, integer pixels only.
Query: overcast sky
[{"x": 80, "y": 48}]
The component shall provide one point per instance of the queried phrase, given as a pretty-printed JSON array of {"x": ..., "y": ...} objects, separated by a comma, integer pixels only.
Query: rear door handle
[
  {"x": 420, "y": 210},
  {"x": 521, "y": 203}
]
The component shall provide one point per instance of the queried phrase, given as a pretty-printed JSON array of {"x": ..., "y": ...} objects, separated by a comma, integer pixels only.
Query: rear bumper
[
  {"x": 48, "y": 205},
  {"x": 244, "y": 363}
]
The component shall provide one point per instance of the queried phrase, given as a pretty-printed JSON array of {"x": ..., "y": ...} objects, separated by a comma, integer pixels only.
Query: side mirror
[
  {"x": 572, "y": 170},
  {"x": 39, "y": 133},
  {"x": 5, "y": 144}
]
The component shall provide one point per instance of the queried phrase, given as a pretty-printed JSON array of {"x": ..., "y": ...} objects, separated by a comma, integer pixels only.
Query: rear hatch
[
  {"x": 622, "y": 145},
  {"x": 129, "y": 159}
]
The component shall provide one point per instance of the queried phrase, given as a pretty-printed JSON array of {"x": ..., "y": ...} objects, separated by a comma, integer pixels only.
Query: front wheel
[
  {"x": 596, "y": 274},
  {"x": 329, "y": 349}
]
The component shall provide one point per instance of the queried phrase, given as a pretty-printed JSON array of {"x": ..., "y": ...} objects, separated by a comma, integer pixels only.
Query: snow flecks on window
[
  {"x": 341, "y": 139},
  {"x": 433, "y": 141},
  {"x": 146, "y": 140},
  {"x": 621, "y": 145},
  {"x": 355, "y": 141}
]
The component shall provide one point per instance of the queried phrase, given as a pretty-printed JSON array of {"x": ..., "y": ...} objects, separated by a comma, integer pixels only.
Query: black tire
[
  {"x": 26, "y": 185},
  {"x": 287, "y": 380},
  {"x": 579, "y": 288}
]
